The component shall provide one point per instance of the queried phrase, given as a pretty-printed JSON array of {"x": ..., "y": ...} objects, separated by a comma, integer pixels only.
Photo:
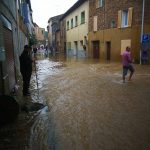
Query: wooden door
[{"x": 96, "y": 50}]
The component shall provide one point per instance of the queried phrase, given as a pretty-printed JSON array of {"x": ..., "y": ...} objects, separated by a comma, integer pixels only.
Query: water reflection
[
  {"x": 39, "y": 132},
  {"x": 90, "y": 108}
]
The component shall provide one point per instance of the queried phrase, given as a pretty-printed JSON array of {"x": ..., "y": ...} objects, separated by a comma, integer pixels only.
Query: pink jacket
[{"x": 126, "y": 58}]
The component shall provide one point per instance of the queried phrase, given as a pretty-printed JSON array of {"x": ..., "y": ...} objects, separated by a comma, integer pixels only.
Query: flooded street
[
  {"x": 87, "y": 107},
  {"x": 90, "y": 107}
]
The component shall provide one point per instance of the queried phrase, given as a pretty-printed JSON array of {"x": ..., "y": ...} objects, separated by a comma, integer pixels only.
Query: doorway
[
  {"x": 108, "y": 50},
  {"x": 75, "y": 53},
  {"x": 96, "y": 51}
]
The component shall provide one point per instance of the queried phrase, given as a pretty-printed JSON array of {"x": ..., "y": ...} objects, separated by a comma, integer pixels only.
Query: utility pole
[{"x": 142, "y": 28}]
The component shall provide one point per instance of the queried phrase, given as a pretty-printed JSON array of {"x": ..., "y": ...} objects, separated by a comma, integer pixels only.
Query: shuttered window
[
  {"x": 82, "y": 17},
  {"x": 99, "y": 3},
  {"x": 67, "y": 25},
  {"x": 95, "y": 24},
  {"x": 71, "y": 23},
  {"x": 125, "y": 18},
  {"x": 119, "y": 19},
  {"x": 130, "y": 16},
  {"x": 76, "y": 21}
]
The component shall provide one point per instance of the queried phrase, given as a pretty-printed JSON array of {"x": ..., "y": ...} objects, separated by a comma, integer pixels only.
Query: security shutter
[{"x": 8, "y": 44}]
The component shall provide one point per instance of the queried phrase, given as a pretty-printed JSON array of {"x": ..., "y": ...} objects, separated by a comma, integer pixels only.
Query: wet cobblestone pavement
[{"x": 87, "y": 107}]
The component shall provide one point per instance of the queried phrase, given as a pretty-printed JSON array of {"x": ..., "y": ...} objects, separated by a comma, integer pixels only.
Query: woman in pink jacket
[{"x": 127, "y": 64}]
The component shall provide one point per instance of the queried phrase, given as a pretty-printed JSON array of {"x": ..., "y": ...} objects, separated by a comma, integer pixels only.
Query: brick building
[{"x": 113, "y": 25}]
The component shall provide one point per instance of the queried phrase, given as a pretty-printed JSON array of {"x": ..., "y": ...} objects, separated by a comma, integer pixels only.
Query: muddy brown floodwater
[{"x": 90, "y": 107}]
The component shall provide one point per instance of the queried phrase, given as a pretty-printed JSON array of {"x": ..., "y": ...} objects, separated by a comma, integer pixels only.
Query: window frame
[
  {"x": 67, "y": 25},
  {"x": 124, "y": 18},
  {"x": 76, "y": 21},
  {"x": 82, "y": 17},
  {"x": 71, "y": 23},
  {"x": 122, "y": 23},
  {"x": 99, "y": 3}
]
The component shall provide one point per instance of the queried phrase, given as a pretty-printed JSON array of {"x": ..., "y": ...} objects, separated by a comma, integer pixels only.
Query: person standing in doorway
[
  {"x": 26, "y": 68},
  {"x": 127, "y": 64}
]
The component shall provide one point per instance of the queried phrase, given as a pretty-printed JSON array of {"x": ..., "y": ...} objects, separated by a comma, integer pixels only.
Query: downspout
[{"x": 142, "y": 28}]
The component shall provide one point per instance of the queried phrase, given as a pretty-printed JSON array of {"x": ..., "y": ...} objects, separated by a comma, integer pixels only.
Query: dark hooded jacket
[{"x": 25, "y": 62}]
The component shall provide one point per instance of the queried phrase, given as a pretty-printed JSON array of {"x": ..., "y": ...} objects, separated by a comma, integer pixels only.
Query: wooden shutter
[
  {"x": 119, "y": 18},
  {"x": 95, "y": 24},
  {"x": 97, "y": 3},
  {"x": 130, "y": 12}
]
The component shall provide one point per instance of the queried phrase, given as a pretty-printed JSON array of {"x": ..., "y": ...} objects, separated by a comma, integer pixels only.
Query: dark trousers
[{"x": 26, "y": 82}]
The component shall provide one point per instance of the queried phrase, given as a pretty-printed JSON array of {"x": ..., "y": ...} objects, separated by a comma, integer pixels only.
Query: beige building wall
[
  {"x": 119, "y": 39},
  {"x": 39, "y": 32},
  {"x": 40, "y": 36},
  {"x": 75, "y": 37}
]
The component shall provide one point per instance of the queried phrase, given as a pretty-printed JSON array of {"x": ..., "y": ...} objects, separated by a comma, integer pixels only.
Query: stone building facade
[{"x": 113, "y": 25}]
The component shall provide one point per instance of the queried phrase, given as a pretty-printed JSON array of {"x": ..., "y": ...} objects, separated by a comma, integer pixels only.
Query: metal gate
[{"x": 8, "y": 44}]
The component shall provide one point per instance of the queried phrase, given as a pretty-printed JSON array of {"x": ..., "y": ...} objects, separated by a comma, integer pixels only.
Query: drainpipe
[{"x": 142, "y": 27}]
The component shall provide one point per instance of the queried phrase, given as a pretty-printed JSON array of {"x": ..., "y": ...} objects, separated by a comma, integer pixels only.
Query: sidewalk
[{"x": 15, "y": 135}]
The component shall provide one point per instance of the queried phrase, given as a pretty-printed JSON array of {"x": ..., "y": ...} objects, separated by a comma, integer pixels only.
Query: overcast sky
[{"x": 45, "y": 9}]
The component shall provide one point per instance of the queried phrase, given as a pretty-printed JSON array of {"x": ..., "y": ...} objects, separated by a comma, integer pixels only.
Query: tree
[{"x": 32, "y": 40}]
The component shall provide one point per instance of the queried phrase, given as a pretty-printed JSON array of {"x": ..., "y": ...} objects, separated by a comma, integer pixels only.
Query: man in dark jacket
[{"x": 26, "y": 69}]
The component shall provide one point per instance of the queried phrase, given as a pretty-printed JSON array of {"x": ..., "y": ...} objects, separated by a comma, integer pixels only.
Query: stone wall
[{"x": 110, "y": 9}]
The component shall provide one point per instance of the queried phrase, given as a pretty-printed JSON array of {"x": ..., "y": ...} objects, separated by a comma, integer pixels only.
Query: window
[
  {"x": 95, "y": 24},
  {"x": 124, "y": 21},
  {"x": 17, "y": 4},
  {"x": 125, "y": 18},
  {"x": 113, "y": 24},
  {"x": 67, "y": 25},
  {"x": 81, "y": 42},
  {"x": 99, "y": 3},
  {"x": 71, "y": 23},
  {"x": 82, "y": 17},
  {"x": 76, "y": 21}
]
